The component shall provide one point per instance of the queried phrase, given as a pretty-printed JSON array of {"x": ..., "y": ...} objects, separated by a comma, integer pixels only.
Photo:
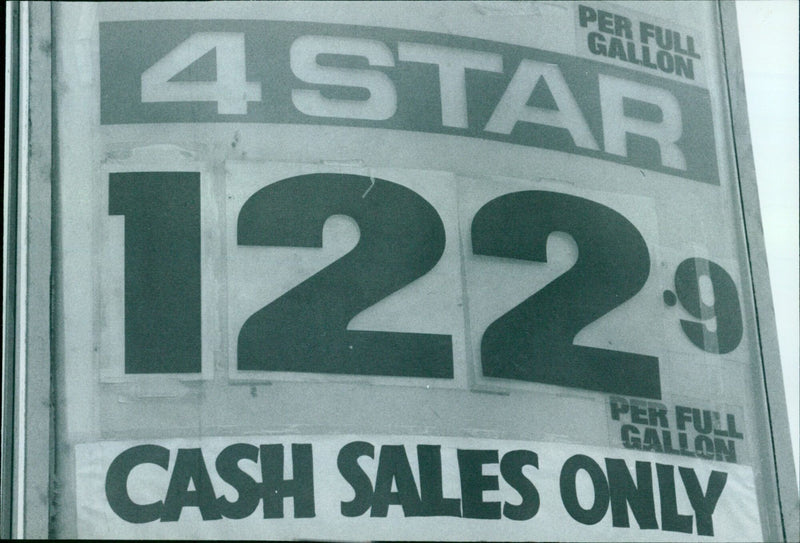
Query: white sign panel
[
  {"x": 479, "y": 269},
  {"x": 408, "y": 487}
]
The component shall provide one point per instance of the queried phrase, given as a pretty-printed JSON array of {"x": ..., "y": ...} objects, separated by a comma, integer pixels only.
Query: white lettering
[
  {"x": 382, "y": 101},
  {"x": 513, "y": 105},
  {"x": 231, "y": 91},
  {"x": 616, "y": 125},
  {"x": 452, "y": 64}
]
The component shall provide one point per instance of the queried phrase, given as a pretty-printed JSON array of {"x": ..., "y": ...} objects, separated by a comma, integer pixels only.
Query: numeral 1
[{"x": 162, "y": 269}]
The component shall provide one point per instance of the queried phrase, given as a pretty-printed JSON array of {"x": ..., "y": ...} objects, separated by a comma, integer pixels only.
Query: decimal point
[{"x": 669, "y": 298}]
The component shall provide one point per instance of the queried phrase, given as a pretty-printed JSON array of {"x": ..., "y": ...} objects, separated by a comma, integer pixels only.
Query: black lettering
[
  {"x": 703, "y": 505},
  {"x": 117, "y": 483},
  {"x": 704, "y": 446},
  {"x": 638, "y": 412},
  {"x": 586, "y": 15},
  {"x": 631, "y": 48},
  {"x": 683, "y": 443},
  {"x": 651, "y": 440},
  {"x": 702, "y": 421},
  {"x": 668, "y": 447},
  {"x": 622, "y": 27},
  {"x": 664, "y": 38},
  {"x": 618, "y": 406},
  {"x": 732, "y": 428},
  {"x": 665, "y": 61},
  {"x": 629, "y": 439},
  {"x": 474, "y": 482},
  {"x": 671, "y": 520},
  {"x": 646, "y": 58},
  {"x": 678, "y": 49},
  {"x": 569, "y": 492},
  {"x": 355, "y": 476},
  {"x": 430, "y": 484},
  {"x": 190, "y": 468},
  {"x": 725, "y": 309},
  {"x": 624, "y": 491},
  {"x": 646, "y": 31},
  {"x": 227, "y": 465},
  {"x": 725, "y": 450},
  {"x": 393, "y": 466},
  {"x": 605, "y": 22},
  {"x": 690, "y": 47},
  {"x": 511, "y": 469},
  {"x": 684, "y": 67},
  {"x": 657, "y": 414},
  {"x": 596, "y": 43},
  {"x": 274, "y": 488},
  {"x": 616, "y": 49}
]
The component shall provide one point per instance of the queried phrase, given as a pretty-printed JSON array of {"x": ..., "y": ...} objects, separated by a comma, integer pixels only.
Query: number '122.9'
[{"x": 401, "y": 239}]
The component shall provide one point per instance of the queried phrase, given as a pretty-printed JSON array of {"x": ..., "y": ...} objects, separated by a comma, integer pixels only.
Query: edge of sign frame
[
  {"x": 11, "y": 16},
  {"x": 28, "y": 430},
  {"x": 35, "y": 266},
  {"x": 774, "y": 391}
]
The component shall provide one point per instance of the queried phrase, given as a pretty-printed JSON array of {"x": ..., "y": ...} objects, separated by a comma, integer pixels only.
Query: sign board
[{"x": 404, "y": 271}]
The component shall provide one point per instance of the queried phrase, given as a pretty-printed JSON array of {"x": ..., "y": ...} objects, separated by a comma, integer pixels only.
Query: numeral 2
[
  {"x": 534, "y": 341},
  {"x": 305, "y": 330}
]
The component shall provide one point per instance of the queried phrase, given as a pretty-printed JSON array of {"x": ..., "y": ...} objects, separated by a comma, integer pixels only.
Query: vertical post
[
  {"x": 787, "y": 513},
  {"x": 10, "y": 150},
  {"x": 31, "y": 247}
]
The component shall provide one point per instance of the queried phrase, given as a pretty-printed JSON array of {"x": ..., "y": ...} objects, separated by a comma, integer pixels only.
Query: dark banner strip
[{"x": 192, "y": 71}]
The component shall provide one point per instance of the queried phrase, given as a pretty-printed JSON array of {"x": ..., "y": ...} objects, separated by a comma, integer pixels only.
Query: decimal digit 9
[{"x": 724, "y": 306}]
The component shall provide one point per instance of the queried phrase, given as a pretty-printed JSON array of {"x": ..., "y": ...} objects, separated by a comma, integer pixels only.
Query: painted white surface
[{"x": 769, "y": 38}]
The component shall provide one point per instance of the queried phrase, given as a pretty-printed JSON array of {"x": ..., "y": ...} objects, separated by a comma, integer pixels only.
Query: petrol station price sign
[{"x": 433, "y": 271}]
